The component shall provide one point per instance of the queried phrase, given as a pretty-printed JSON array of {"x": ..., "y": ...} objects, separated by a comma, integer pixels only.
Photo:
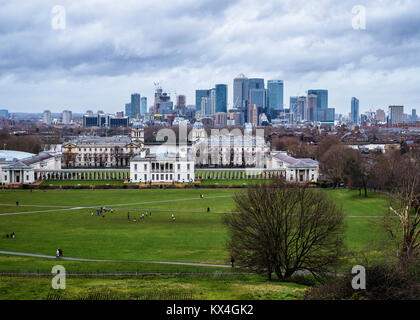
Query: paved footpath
[
  {"x": 110, "y": 260},
  {"x": 65, "y": 208}
]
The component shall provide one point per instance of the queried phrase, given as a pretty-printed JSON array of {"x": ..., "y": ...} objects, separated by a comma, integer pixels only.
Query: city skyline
[{"x": 103, "y": 55}]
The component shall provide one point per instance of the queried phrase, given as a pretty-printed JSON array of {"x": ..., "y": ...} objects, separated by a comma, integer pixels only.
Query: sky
[{"x": 109, "y": 49}]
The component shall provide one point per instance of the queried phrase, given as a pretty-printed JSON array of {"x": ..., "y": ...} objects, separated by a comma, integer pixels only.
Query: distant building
[
  {"x": 181, "y": 101},
  {"x": 275, "y": 90},
  {"x": 380, "y": 115},
  {"x": 143, "y": 105},
  {"x": 258, "y": 97},
  {"x": 161, "y": 168},
  {"x": 253, "y": 114},
  {"x": 199, "y": 95},
  {"x": 4, "y": 114},
  {"x": 396, "y": 114},
  {"x": 322, "y": 98},
  {"x": 295, "y": 170},
  {"x": 116, "y": 122},
  {"x": 66, "y": 117},
  {"x": 46, "y": 117},
  {"x": 221, "y": 119},
  {"x": 240, "y": 91},
  {"x": 221, "y": 97},
  {"x": 355, "y": 118}
]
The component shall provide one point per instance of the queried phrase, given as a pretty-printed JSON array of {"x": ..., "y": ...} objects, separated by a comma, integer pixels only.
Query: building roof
[
  {"x": 95, "y": 140},
  {"x": 295, "y": 162},
  {"x": 37, "y": 158},
  {"x": 9, "y": 155}
]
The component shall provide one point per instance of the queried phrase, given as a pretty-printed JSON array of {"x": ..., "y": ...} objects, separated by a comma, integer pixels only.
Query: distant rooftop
[{"x": 9, "y": 155}]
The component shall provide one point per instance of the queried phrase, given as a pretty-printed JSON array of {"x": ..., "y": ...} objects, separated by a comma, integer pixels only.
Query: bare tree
[
  {"x": 405, "y": 204},
  {"x": 284, "y": 228}
]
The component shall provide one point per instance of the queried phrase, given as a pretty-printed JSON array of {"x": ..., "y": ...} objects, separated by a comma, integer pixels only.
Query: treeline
[{"x": 27, "y": 143}]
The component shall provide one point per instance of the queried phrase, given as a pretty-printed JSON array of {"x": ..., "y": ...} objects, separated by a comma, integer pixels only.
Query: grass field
[
  {"x": 213, "y": 287},
  {"x": 46, "y": 220}
]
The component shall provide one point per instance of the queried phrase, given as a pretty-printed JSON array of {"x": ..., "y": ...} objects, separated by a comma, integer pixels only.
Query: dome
[
  {"x": 198, "y": 125},
  {"x": 138, "y": 125}
]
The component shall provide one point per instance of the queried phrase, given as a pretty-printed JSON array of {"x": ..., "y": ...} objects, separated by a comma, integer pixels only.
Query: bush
[{"x": 382, "y": 283}]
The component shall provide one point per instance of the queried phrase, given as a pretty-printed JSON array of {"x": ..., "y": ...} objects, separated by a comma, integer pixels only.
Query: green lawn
[
  {"x": 214, "y": 287},
  {"x": 196, "y": 236},
  {"x": 81, "y": 182}
]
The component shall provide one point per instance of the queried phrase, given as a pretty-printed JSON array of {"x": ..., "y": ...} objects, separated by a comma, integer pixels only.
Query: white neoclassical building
[
  {"x": 161, "y": 168},
  {"x": 23, "y": 170},
  {"x": 295, "y": 170}
]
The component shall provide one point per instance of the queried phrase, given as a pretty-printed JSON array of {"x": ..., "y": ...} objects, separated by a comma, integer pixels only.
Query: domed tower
[
  {"x": 198, "y": 132},
  {"x": 137, "y": 133}
]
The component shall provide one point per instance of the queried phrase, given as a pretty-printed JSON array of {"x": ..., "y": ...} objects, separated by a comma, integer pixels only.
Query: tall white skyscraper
[
  {"x": 46, "y": 117},
  {"x": 67, "y": 116}
]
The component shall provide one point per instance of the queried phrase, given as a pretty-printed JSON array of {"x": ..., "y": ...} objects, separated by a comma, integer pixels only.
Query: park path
[
  {"x": 67, "y": 208},
  {"x": 197, "y": 264}
]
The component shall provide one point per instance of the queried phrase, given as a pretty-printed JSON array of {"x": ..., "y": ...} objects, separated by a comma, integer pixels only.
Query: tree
[
  {"x": 405, "y": 204},
  {"x": 333, "y": 163},
  {"x": 325, "y": 144},
  {"x": 283, "y": 228},
  {"x": 356, "y": 172}
]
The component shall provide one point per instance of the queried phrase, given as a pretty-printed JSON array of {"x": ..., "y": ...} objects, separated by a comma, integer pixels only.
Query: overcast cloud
[{"x": 110, "y": 49}]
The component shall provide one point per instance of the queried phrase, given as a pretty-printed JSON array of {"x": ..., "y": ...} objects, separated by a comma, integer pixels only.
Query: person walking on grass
[
  {"x": 17, "y": 203},
  {"x": 173, "y": 217},
  {"x": 128, "y": 215}
]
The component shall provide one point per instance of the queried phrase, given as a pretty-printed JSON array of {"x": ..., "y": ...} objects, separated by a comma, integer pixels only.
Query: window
[
  {"x": 313, "y": 177},
  {"x": 162, "y": 176},
  {"x": 188, "y": 176},
  {"x": 166, "y": 176},
  {"x": 145, "y": 177},
  {"x": 135, "y": 177},
  {"x": 170, "y": 177},
  {"x": 135, "y": 167},
  {"x": 179, "y": 177},
  {"x": 188, "y": 166},
  {"x": 153, "y": 177},
  {"x": 145, "y": 167},
  {"x": 179, "y": 166}
]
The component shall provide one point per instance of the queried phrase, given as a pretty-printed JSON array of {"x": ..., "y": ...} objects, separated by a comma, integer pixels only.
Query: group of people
[
  {"x": 101, "y": 212},
  {"x": 11, "y": 235},
  {"x": 141, "y": 216}
]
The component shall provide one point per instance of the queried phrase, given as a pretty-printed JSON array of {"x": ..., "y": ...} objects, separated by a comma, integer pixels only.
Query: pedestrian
[
  {"x": 128, "y": 215},
  {"x": 7, "y": 236},
  {"x": 97, "y": 211},
  {"x": 232, "y": 261},
  {"x": 150, "y": 213},
  {"x": 173, "y": 217},
  {"x": 91, "y": 213},
  {"x": 135, "y": 220},
  {"x": 103, "y": 215},
  {"x": 12, "y": 235},
  {"x": 61, "y": 252},
  {"x": 17, "y": 203},
  {"x": 208, "y": 209},
  {"x": 57, "y": 254}
]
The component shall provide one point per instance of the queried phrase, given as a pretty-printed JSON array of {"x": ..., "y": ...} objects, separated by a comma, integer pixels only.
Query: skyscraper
[
  {"x": 355, "y": 119},
  {"x": 46, "y": 117},
  {"x": 143, "y": 105},
  {"x": 253, "y": 115},
  {"x": 256, "y": 83},
  {"x": 380, "y": 115},
  {"x": 258, "y": 97},
  {"x": 275, "y": 90},
  {"x": 395, "y": 114},
  {"x": 199, "y": 94},
  {"x": 312, "y": 107},
  {"x": 221, "y": 97},
  {"x": 66, "y": 117},
  {"x": 240, "y": 91},
  {"x": 135, "y": 106},
  {"x": 322, "y": 98}
]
